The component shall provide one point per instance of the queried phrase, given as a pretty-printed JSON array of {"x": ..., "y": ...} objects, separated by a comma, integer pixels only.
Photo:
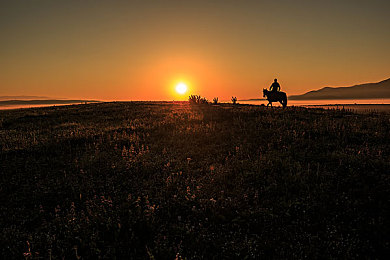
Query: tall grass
[{"x": 163, "y": 180}]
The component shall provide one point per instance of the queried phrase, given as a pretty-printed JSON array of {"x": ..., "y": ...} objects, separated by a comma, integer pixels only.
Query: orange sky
[{"x": 139, "y": 50}]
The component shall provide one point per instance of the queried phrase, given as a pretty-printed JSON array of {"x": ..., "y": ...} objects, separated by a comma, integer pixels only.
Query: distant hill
[{"x": 362, "y": 91}]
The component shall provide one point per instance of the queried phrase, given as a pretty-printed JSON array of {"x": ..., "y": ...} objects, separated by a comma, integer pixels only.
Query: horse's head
[{"x": 264, "y": 92}]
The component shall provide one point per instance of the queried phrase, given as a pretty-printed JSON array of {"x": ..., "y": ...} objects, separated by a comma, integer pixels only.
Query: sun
[{"x": 181, "y": 88}]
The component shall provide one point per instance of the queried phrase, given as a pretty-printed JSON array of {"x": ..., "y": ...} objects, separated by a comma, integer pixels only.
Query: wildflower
[{"x": 57, "y": 210}]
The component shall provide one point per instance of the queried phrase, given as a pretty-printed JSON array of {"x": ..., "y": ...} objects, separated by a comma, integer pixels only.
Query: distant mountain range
[{"x": 363, "y": 91}]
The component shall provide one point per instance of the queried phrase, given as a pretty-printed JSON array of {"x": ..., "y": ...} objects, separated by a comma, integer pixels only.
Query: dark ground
[{"x": 164, "y": 180}]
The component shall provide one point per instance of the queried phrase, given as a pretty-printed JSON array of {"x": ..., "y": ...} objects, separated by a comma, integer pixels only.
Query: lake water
[
  {"x": 363, "y": 105},
  {"x": 324, "y": 102},
  {"x": 19, "y": 106},
  {"x": 8, "y": 107}
]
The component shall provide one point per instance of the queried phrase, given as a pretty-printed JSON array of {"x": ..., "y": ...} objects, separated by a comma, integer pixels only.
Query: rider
[{"x": 275, "y": 87}]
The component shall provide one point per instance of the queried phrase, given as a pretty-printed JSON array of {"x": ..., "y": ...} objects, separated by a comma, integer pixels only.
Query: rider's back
[{"x": 275, "y": 87}]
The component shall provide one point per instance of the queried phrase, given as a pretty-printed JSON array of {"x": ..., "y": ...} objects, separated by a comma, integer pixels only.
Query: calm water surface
[
  {"x": 31, "y": 106},
  {"x": 363, "y": 105}
]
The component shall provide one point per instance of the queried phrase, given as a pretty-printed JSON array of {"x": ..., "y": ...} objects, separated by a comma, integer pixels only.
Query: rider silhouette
[{"x": 275, "y": 87}]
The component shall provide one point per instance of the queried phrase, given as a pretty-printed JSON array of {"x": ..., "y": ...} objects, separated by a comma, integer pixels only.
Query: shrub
[
  {"x": 234, "y": 100},
  {"x": 197, "y": 99},
  {"x": 215, "y": 100}
]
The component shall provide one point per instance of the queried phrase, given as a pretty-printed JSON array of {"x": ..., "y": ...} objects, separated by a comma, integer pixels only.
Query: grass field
[{"x": 171, "y": 180}]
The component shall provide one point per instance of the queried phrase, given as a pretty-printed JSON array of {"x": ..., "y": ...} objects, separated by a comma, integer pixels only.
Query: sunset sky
[{"x": 139, "y": 50}]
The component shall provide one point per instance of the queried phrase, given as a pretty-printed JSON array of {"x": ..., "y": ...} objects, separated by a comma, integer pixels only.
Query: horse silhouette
[{"x": 275, "y": 97}]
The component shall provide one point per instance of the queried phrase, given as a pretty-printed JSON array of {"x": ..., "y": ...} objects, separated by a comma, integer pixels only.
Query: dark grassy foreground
[{"x": 163, "y": 180}]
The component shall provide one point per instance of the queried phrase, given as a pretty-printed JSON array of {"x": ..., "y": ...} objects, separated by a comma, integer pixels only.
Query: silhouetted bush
[
  {"x": 215, "y": 100},
  {"x": 234, "y": 100},
  {"x": 197, "y": 99}
]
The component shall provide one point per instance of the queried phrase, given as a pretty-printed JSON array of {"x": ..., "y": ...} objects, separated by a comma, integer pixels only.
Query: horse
[{"x": 275, "y": 97}]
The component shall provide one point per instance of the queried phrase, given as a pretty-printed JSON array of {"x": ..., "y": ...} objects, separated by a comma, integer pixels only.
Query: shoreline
[{"x": 369, "y": 107}]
